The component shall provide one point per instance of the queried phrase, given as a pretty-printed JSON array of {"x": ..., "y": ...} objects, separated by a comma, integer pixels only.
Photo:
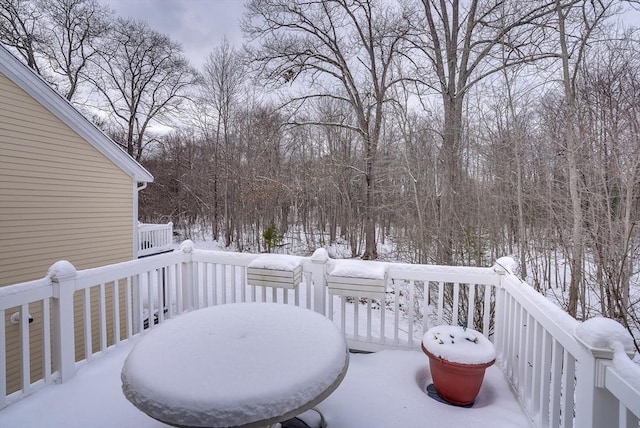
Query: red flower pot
[{"x": 456, "y": 383}]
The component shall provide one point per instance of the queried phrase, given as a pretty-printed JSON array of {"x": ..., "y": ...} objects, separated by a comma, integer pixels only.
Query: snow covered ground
[{"x": 381, "y": 390}]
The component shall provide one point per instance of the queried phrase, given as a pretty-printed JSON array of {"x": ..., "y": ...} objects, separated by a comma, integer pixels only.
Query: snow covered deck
[
  {"x": 562, "y": 372},
  {"x": 380, "y": 390}
]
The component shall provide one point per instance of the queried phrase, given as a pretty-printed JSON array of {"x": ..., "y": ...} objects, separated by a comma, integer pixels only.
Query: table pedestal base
[{"x": 299, "y": 423}]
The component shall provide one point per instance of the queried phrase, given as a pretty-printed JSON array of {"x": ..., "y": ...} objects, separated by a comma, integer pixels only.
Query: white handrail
[
  {"x": 154, "y": 238},
  {"x": 560, "y": 380}
]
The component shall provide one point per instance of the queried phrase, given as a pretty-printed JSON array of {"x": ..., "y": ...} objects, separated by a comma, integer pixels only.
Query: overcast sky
[{"x": 199, "y": 25}]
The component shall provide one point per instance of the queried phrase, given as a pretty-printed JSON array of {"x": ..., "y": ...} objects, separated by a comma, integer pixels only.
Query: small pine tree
[{"x": 271, "y": 237}]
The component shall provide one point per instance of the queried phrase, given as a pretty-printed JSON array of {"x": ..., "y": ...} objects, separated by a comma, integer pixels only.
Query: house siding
[{"x": 60, "y": 199}]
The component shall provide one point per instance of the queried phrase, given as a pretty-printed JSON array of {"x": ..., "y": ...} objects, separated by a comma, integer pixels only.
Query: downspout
[{"x": 136, "y": 235}]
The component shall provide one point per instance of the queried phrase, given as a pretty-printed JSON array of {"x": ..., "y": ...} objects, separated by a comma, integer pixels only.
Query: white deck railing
[
  {"x": 154, "y": 238},
  {"x": 560, "y": 381}
]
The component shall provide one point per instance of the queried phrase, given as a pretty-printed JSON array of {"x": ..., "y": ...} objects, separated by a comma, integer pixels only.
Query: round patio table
[{"x": 235, "y": 365}]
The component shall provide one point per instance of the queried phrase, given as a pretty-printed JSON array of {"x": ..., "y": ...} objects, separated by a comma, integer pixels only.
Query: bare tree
[
  {"x": 222, "y": 80},
  {"x": 463, "y": 44},
  {"x": 20, "y": 28},
  {"x": 73, "y": 30},
  {"x": 142, "y": 77},
  {"x": 607, "y": 107},
  {"x": 577, "y": 24},
  {"x": 509, "y": 130},
  {"x": 337, "y": 49}
]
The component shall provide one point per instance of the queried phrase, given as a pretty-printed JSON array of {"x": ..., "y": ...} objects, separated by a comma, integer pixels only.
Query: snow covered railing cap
[
  {"x": 186, "y": 246},
  {"x": 61, "y": 270},
  {"x": 320, "y": 256},
  {"x": 604, "y": 336},
  {"x": 505, "y": 265}
]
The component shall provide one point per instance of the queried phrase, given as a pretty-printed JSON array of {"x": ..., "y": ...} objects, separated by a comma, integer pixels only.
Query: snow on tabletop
[
  {"x": 234, "y": 364},
  {"x": 600, "y": 332},
  {"x": 358, "y": 269},
  {"x": 459, "y": 345},
  {"x": 276, "y": 262}
]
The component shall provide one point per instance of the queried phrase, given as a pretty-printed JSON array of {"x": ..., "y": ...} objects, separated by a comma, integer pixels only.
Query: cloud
[{"x": 199, "y": 25}]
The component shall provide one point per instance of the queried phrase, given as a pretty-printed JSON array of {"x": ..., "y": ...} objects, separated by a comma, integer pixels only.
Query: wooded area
[{"x": 452, "y": 132}]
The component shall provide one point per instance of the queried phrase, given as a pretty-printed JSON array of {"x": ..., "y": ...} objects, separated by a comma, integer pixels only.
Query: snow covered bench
[
  {"x": 357, "y": 278},
  {"x": 275, "y": 270}
]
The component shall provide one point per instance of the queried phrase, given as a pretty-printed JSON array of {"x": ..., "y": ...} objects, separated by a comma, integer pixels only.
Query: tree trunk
[
  {"x": 450, "y": 164},
  {"x": 370, "y": 251},
  {"x": 575, "y": 262}
]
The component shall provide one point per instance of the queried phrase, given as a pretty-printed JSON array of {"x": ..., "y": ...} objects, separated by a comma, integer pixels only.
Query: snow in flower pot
[{"x": 458, "y": 357}]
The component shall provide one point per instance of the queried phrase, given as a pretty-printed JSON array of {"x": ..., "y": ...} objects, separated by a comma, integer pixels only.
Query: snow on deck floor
[{"x": 381, "y": 390}]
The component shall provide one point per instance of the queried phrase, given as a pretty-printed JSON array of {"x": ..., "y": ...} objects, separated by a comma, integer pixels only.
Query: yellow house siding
[{"x": 59, "y": 197}]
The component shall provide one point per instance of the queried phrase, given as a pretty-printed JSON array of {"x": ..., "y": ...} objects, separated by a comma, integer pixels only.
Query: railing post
[
  {"x": 318, "y": 269},
  {"x": 595, "y": 405},
  {"x": 188, "y": 278},
  {"x": 63, "y": 275},
  {"x": 503, "y": 267},
  {"x": 169, "y": 236}
]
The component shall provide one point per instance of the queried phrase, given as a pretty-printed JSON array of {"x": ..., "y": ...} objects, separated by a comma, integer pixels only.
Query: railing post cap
[
  {"x": 320, "y": 256},
  {"x": 186, "y": 246},
  {"x": 603, "y": 335},
  {"x": 505, "y": 265},
  {"x": 61, "y": 270}
]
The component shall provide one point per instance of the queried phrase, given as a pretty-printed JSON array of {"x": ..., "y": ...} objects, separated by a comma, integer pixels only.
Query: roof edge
[{"x": 41, "y": 91}]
